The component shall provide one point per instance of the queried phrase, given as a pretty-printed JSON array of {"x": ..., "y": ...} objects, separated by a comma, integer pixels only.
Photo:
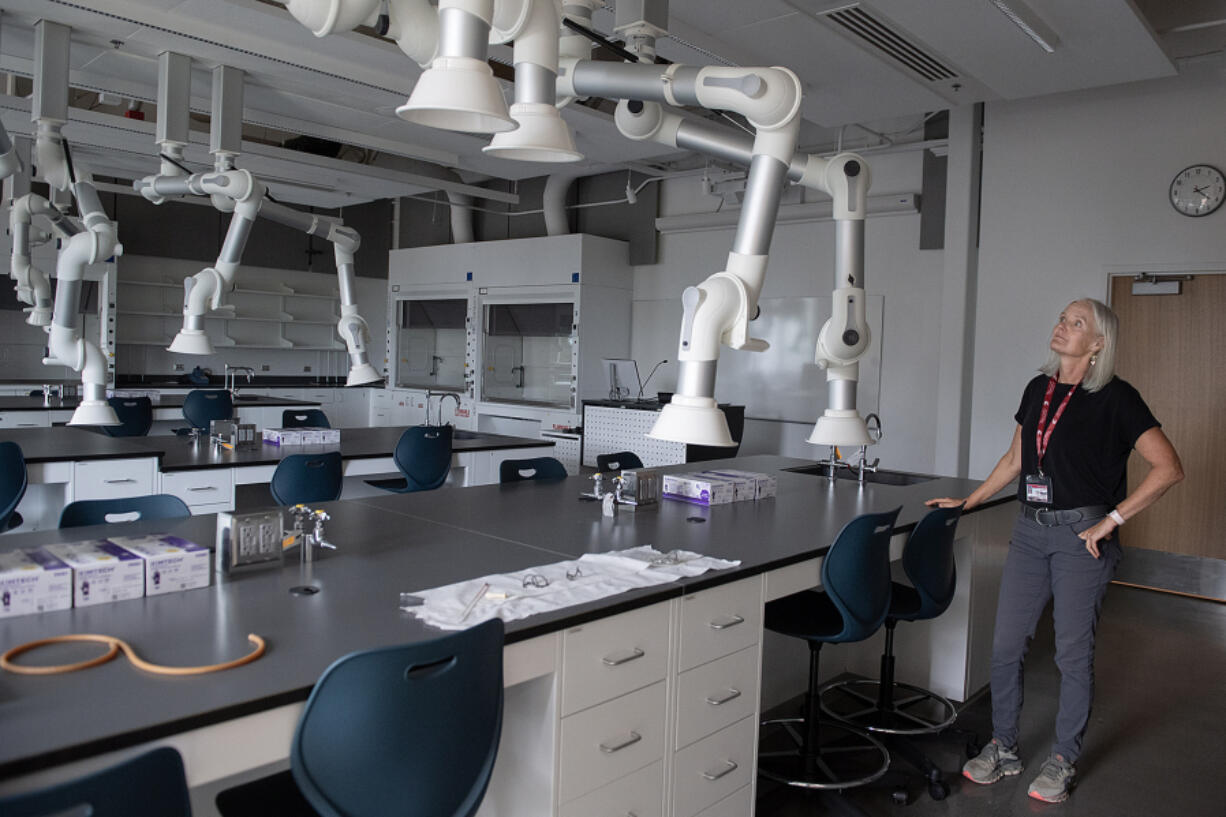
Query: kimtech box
[
  {"x": 171, "y": 563},
  {"x": 700, "y": 490},
  {"x": 743, "y": 488},
  {"x": 283, "y": 436},
  {"x": 33, "y": 581},
  {"x": 764, "y": 484},
  {"x": 102, "y": 571}
]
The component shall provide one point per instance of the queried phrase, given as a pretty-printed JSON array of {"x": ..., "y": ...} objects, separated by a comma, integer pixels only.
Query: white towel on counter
[{"x": 595, "y": 576}]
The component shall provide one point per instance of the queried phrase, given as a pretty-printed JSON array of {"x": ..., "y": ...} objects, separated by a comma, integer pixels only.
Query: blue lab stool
[
  {"x": 854, "y": 600},
  {"x": 96, "y": 511},
  {"x": 618, "y": 461},
  {"x": 13, "y": 483},
  {"x": 423, "y": 457},
  {"x": 536, "y": 468},
  {"x": 894, "y": 710},
  {"x": 304, "y": 418},
  {"x": 135, "y": 417},
  {"x": 149, "y": 785},
  {"x": 303, "y": 478},
  {"x": 410, "y": 731}
]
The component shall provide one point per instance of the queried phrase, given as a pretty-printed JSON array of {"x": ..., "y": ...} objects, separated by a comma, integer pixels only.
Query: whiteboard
[{"x": 782, "y": 383}]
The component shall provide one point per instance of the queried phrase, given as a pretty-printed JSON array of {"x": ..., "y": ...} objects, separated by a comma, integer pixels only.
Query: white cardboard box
[
  {"x": 765, "y": 484},
  {"x": 33, "y": 581},
  {"x": 700, "y": 490},
  {"x": 744, "y": 489},
  {"x": 171, "y": 563},
  {"x": 102, "y": 571},
  {"x": 283, "y": 436}
]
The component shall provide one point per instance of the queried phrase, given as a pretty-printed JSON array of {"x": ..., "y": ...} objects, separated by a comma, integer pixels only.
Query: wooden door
[{"x": 1173, "y": 349}]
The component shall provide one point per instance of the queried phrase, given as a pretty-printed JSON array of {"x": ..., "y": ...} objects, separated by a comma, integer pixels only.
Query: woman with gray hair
[{"x": 1076, "y": 426}]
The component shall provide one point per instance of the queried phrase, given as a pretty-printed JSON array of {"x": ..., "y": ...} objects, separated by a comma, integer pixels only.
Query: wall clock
[{"x": 1198, "y": 190}]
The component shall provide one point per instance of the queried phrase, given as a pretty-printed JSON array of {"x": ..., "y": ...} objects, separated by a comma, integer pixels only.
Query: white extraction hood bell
[{"x": 694, "y": 421}]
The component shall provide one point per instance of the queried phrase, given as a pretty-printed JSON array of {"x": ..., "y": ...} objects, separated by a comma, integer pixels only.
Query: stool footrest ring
[{"x": 917, "y": 711}]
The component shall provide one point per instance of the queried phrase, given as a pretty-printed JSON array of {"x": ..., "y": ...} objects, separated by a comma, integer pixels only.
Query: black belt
[{"x": 1049, "y": 518}]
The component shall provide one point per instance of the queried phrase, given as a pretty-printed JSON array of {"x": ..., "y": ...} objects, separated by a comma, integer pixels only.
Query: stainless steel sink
[{"x": 875, "y": 477}]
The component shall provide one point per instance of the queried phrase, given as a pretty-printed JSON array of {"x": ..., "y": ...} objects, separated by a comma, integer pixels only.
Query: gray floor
[{"x": 1156, "y": 742}]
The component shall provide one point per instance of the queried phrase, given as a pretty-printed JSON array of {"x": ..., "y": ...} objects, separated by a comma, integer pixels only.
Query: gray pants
[{"x": 1049, "y": 563}]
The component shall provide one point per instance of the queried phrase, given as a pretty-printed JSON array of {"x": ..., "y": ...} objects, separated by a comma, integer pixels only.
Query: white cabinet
[
  {"x": 713, "y": 768},
  {"x": 640, "y": 794},
  {"x": 25, "y": 419},
  {"x": 205, "y": 490},
  {"x": 613, "y": 656},
  {"x": 110, "y": 479},
  {"x": 607, "y": 742}
]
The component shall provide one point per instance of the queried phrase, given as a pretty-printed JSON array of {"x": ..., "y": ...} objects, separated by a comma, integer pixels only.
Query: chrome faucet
[
  {"x": 441, "y": 395},
  {"x": 230, "y": 378}
]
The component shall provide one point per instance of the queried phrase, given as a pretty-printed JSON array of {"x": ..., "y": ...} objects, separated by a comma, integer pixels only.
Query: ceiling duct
[{"x": 883, "y": 39}]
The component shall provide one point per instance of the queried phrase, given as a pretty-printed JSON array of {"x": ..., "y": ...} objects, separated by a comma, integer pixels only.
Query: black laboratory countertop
[
  {"x": 62, "y": 444},
  {"x": 385, "y": 545},
  {"x": 166, "y": 401}
]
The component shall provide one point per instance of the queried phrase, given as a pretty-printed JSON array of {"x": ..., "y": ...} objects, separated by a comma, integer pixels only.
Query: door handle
[
  {"x": 629, "y": 740},
  {"x": 725, "y": 622},
  {"x": 118, "y": 481},
  {"x": 625, "y": 658},
  {"x": 719, "y": 700},
  {"x": 729, "y": 768}
]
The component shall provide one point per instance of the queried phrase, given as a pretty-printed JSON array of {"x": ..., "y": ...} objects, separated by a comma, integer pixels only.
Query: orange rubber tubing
[{"x": 114, "y": 645}]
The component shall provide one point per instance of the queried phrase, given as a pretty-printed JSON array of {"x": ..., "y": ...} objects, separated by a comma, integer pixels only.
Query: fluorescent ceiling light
[{"x": 1030, "y": 24}]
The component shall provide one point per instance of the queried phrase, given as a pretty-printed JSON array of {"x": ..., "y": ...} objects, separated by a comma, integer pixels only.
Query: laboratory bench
[
  {"x": 562, "y": 700},
  {"x": 35, "y": 412},
  {"x": 67, "y": 464}
]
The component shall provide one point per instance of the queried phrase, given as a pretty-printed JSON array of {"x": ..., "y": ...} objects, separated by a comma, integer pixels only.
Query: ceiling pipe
[{"x": 553, "y": 203}]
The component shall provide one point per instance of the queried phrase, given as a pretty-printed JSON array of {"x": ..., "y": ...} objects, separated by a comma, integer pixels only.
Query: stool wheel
[
  {"x": 913, "y": 710},
  {"x": 900, "y": 796},
  {"x": 846, "y": 757},
  {"x": 938, "y": 790}
]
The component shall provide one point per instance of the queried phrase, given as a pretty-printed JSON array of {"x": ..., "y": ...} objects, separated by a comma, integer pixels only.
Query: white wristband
[{"x": 1116, "y": 517}]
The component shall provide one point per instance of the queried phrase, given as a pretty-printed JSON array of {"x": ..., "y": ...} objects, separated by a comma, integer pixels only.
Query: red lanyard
[{"x": 1041, "y": 438}]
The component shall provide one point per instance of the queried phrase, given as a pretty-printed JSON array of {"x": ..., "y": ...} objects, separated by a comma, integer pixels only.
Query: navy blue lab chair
[
  {"x": 303, "y": 478},
  {"x": 202, "y": 406},
  {"x": 536, "y": 468},
  {"x": 423, "y": 457},
  {"x": 131, "y": 508},
  {"x": 149, "y": 785},
  {"x": 304, "y": 418},
  {"x": 851, "y": 605},
  {"x": 13, "y": 482},
  {"x": 884, "y": 706},
  {"x": 410, "y": 731},
  {"x": 618, "y": 461},
  {"x": 135, "y": 417}
]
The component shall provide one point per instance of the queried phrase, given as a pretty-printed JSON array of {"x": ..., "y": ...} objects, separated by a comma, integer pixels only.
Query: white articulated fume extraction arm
[
  {"x": 845, "y": 337},
  {"x": 205, "y": 290}
]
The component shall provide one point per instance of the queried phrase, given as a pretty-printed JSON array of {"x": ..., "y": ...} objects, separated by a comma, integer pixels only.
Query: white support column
[{"x": 958, "y": 285}]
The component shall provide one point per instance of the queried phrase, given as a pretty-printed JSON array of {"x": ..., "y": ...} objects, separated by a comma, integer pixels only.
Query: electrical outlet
[
  {"x": 265, "y": 367},
  {"x": 178, "y": 367},
  {"x": 306, "y": 368}
]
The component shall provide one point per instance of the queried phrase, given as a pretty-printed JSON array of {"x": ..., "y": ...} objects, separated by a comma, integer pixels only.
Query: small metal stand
[{"x": 307, "y": 543}]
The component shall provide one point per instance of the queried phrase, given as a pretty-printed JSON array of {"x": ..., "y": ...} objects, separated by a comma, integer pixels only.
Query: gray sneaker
[
  {"x": 993, "y": 763},
  {"x": 1054, "y": 781}
]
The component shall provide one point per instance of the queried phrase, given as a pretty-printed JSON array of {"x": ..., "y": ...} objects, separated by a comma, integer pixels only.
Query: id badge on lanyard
[{"x": 1038, "y": 486}]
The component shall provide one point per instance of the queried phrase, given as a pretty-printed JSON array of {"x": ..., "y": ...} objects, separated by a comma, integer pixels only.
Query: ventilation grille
[{"x": 880, "y": 37}]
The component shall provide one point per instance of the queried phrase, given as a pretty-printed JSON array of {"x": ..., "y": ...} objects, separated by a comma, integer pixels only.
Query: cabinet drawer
[
  {"x": 25, "y": 419},
  {"x": 716, "y": 695},
  {"x": 609, "y": 741},
  {"x": 714, "y": 768},
  {"x": 640, "y": 794},
  {"x": 612, "y": 656},
  {"x": 108, "y": 479},
  {"x": 735, "y": 805},
  {"x": 207, "y": 486},
  {"x": 720, "y": 621}
]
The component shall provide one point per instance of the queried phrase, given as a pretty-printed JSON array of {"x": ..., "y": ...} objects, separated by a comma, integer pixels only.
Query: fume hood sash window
[
  {"x": 528, "y": 354},
  {"x": 431, "y": 343}
]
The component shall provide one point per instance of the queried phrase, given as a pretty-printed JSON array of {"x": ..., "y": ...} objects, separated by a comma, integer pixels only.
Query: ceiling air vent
[{"x": 885, "y": 40}]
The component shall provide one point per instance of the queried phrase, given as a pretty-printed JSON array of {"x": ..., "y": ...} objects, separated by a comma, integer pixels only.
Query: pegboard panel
[
  {"x": 606, "y": 430},
  {"x": 565, "y": 450}
]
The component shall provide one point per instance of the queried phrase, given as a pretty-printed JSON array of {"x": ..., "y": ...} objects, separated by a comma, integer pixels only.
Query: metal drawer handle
[
  {"x": 720, "y": 700},
  {"x": 118, "y": 481},
  {"x": 624, "y": 658},
  {"x": 629, "y": 740},
  {"x": 204, "y": 488},
  {"x": 27, "y": 425},
  {"x": 729, "y": 768},
  {"x": 726, "y": 622}
]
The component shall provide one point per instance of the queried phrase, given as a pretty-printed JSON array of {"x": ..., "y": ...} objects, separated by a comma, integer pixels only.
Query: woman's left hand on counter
[{"x": 1103, "y": 529}]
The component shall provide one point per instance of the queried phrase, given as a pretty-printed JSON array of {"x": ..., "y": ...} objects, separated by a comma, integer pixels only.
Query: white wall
[
  {"x": 1075, "y": 186},
  {"x": 802, "y": 265}
]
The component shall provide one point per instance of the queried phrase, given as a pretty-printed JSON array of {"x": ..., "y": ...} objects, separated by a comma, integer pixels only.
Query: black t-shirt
[{"x": 1087, "y": 454}]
